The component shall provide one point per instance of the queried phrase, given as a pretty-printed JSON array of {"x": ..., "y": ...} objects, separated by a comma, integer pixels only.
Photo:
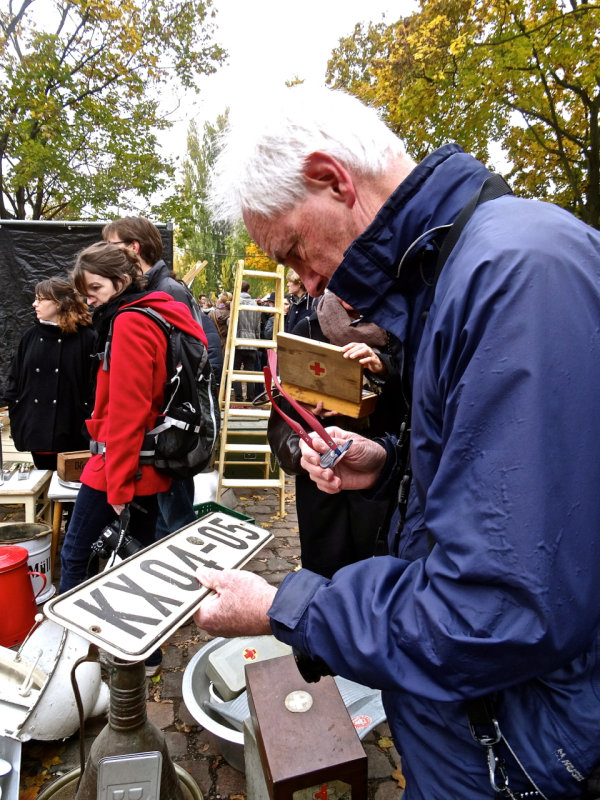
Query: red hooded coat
[{"x": 129, "y": 396}]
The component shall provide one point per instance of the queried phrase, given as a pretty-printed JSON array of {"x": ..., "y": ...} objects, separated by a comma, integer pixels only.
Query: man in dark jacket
[
  {"x": 300, "y": 302},
  {"x": 482, "y": 625},
  {"x": 176, "y": 505}
]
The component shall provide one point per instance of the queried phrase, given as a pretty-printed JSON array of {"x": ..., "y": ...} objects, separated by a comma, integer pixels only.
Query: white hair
[{"x": 263, "y": 152}]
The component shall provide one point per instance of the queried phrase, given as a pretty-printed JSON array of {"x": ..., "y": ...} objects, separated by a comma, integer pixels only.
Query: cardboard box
[
  {"x": 70, "y": 465},
  {"x": 315, "y": 371}
]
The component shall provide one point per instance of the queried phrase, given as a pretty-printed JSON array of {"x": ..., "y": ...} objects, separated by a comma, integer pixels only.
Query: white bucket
[{"x": 36, "y": 538}]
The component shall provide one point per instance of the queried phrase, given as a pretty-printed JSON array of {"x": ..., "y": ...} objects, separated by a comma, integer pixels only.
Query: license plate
[{"x": 133, "y": 607}]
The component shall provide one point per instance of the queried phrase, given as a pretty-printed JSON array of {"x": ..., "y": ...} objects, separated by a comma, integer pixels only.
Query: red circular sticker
[{"x": 361, "y": 721}]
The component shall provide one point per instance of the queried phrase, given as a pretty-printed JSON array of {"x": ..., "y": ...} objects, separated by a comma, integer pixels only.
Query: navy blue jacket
[{"x": 505, "y": 596}]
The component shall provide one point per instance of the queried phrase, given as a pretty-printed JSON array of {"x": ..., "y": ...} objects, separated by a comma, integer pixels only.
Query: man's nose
[{"x": 314, "y": 283}]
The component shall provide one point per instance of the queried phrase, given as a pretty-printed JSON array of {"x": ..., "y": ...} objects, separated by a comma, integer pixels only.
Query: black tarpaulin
[{"x": 31, "y": 252}]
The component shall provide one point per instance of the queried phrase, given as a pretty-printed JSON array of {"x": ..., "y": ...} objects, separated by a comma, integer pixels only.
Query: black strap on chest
[{"x": 494, "y": 186}]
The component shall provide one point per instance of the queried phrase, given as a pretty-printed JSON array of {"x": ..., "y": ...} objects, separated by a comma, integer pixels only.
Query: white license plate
[{"x": 130, "y": 609}]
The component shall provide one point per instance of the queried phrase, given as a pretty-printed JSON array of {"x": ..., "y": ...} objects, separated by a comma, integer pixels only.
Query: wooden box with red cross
[
  {"x": 307, "y": 743},
  {"x": 312, "y": 371}
]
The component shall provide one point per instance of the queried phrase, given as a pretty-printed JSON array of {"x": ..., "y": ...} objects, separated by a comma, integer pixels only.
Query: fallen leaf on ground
[
  {"x": 399, "y": 777},
  {"x": 385, "y": 742}
]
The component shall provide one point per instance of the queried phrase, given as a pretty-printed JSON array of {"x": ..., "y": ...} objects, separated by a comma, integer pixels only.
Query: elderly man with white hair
[{"x": 482, "y": 625}]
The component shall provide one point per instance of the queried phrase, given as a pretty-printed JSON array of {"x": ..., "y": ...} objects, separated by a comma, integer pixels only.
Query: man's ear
[
  {"x": 324, "y": 172},
  {"x": 136, "y": 246}
]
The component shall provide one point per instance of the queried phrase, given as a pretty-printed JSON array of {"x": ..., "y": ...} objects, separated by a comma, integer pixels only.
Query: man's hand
[
  {"x": 238, "y": 606},
  {"x": 358, "y": 469}
]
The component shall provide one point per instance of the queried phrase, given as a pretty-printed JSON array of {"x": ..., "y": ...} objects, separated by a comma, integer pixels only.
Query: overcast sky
[{"x": 270, "y": 42}]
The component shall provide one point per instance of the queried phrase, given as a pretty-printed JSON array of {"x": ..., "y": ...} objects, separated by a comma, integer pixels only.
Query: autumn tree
[
  {"x": 517, "y": 74},
  {"x": 79, "y": 99}
]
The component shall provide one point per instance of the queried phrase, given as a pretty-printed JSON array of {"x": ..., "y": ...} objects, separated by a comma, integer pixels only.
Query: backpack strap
[
  {"x": 147, "y": 312},
  {"x": 493, "y": 187}
]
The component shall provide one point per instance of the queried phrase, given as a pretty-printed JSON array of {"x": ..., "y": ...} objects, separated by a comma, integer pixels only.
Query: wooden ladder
[{"x": 243, "y": 419}]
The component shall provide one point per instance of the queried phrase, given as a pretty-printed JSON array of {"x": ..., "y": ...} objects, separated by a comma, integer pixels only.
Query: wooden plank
[{"x": 346, "y": 407}]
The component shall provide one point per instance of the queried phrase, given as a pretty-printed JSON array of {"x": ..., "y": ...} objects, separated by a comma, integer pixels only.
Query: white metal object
[
  {"x": 36, "y": 538},
  {"x": 298, "y": 701},
  {"x": 226, "y": 666},
  {"x": 195, "y": 687},
  {"x": 10, "y": 753},
  {"x": 36, "y": 698},
  {"x": 134, "y": 775},
  {"x": 131, "y": 609}
]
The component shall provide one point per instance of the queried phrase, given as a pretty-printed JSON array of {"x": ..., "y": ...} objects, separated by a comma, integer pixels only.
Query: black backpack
[{"x": 182, "y": 442}]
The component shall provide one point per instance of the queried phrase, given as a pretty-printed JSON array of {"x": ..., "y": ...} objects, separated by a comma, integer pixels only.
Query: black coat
[
  {"x": 338, "y": 529},
  {"x": 51, "y": 388},
  {"x": 299, "y": 310}
]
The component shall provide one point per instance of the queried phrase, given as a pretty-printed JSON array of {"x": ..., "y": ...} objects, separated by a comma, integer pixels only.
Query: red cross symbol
[
  {"x": 317, "y": 368},
  {"x": 249, "y": 654}
]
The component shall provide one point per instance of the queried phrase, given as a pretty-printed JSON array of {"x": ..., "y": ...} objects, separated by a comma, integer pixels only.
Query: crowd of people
[
  {"x": 64, "y": 394},
  {"x": 450, "y": 557}
]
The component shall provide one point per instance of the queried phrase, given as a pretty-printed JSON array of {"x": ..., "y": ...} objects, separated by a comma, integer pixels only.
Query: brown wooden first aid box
[
  {"x": 70, "y": 465},
  {"x": 304, "y": 753},
  {"x": 313, "y": 371}
]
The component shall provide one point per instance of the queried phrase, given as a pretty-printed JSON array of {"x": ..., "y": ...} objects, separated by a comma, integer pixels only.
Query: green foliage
[
  {"x": 197, "y": 237},
  {"x": 78, "y": 121},
  {"x": 519, "y": 73}
]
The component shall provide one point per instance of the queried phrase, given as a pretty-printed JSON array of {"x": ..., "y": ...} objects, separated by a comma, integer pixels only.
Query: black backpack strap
[
  {"x": 146, "y": 311},
  {"x": 493, "y": 187}
]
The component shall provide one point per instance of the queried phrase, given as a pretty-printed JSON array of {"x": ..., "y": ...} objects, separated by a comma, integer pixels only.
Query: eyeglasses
[{"x": 118, "y": 241}]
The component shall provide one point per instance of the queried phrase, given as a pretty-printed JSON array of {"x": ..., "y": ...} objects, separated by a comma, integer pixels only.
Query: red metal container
[{"x": 17, "y": 600}]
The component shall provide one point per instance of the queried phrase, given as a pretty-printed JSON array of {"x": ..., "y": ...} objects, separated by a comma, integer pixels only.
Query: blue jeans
[
  {"x": 91, "y": 514},
  {"x": 175, "y": 507}
]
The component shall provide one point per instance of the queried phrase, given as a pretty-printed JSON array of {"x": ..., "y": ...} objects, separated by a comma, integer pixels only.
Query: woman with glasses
[{"x": 50, "y": 385}]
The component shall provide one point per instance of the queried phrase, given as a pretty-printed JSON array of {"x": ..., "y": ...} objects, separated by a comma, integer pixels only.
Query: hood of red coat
[{"x": 176, "y": 313}]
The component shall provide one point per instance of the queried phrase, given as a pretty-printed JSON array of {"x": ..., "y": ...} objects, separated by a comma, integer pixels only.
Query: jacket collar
[
  {"x": 430, "y": 197},
  {"x": 155, "y": 273}
]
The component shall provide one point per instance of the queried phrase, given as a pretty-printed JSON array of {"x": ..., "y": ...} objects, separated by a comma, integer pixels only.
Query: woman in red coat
[{"x": 129, "y": 396}]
